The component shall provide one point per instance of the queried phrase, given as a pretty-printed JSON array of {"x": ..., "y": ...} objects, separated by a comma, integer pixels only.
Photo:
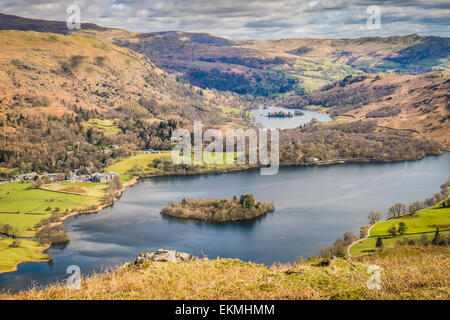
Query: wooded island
[{"x": 219, "y": 210}]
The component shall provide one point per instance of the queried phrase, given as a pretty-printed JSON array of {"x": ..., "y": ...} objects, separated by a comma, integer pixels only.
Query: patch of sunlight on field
[
  {"x": 140, "y": 163},
  {"x": 28, "y": 250},
  {"x": 368, "y": 245},
  {"x": 422, "y": 221},
  {"x": 23, "y": 208},
  {"x": 108, "y": 126},
  {"x": 137, "y": 163},
  {"x": 338, "y": 120},
  {"x": 90, "y": 189},
  {"x": 214, "y": 160},
  {"x": 231, "y": 111},
  {"x": 6, "y": 170}
]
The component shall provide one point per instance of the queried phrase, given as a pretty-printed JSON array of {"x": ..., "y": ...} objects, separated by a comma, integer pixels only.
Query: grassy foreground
[{"x": 407, "y": 273}]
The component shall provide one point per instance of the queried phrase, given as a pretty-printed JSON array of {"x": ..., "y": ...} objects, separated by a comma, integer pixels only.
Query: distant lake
[
  {"x": 314, "y": 206},
  {"x": 260, "y": 117}
]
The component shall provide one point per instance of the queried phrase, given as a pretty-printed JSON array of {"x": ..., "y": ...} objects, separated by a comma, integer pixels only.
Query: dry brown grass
[
  {"x": 407, "y": 273},
  {"x": 422, "y": 100},
  {"x": 412, "y": 273}
]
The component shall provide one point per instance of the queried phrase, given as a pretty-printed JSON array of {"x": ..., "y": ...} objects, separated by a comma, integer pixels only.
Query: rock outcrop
[{"x": 162, "y": 255}]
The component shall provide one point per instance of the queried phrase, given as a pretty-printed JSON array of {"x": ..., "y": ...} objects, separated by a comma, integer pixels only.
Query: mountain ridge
[{"x": 266, "y": 67}]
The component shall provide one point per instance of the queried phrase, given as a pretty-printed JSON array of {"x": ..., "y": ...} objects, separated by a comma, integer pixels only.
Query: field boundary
[
  {"x": 70, "y": 193},
  {"x": 406, "y": 234}
]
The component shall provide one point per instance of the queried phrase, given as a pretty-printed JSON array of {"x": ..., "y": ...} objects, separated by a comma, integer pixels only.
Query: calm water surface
[
  {"x": 260, "y": 117},
  {"x": 314, "y": 206}
]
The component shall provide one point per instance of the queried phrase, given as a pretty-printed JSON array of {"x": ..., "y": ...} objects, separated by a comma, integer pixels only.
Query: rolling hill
[
  {"x": 265, "y": 67},
  {"x": 58, "y": 91},
  {"x": 275, "y": 67},
  {"x": 68, "y": 97},
  {"x": 416, "y": 103}
]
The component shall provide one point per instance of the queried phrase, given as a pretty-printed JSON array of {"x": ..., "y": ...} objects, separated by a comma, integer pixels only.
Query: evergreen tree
[
  {"x": 379, "y": 243},
  {"x": 437, "y": 237},
  {"x": 247, "y": 201},
  {"x": 402, "y": 228}
]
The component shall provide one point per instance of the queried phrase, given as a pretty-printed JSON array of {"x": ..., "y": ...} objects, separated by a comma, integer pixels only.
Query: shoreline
[
  {"x": 72, "y": 214},
  {"x": 143, "y": 177}
]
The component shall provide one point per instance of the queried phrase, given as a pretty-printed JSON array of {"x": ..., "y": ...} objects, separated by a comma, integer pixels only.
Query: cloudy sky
[{"x": 265, "y": 19}]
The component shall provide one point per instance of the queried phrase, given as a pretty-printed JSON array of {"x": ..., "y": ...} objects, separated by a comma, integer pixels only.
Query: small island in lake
[
  {"x": 219, "y": 210},
  {"x": 280, "y": 114}
]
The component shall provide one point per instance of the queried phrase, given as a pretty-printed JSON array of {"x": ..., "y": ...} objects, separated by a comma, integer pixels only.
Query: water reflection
[{"x": 313, "y": 206}]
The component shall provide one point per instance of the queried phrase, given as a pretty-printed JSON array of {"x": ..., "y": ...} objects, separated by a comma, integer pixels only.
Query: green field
[
  {"x": 231, "y": 112},
  {"x": 23, "y": 208},
  {"x": 137, "y": 163},
  {"x": 6, "y": 170},
  {"x": 422, "y": 221},
  {"x": 419, "y": 223},
  {"x": 90, "y": 189},
  {"x": 107, "y": 126},
  {"x": 368, "y": 244},
  {"x": 27, "y": 251},
  {"x": 209, "y": 157}
]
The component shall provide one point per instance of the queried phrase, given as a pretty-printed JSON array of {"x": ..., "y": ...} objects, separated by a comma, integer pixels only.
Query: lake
[
  {"x": 260, "y": 117},
  {"x": 314, "y": 206}
]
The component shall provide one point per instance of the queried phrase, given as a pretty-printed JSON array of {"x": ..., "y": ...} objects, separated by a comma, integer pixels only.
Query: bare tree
[
  {"x": 350, "y": 236},
  {"x": 428, "y": 202},
  {"x": 396, "y": 210},
  {"x": 374, "y": 216},
  {"x": 438, "y": 197},
  {"x": 415, "y": 206}
]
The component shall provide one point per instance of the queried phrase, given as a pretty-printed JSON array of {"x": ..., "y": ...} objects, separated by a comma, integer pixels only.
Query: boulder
[{"x": 162, "y": 255}]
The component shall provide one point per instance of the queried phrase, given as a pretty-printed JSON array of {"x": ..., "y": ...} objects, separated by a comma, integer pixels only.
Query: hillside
[
  {"x": 276, "y": 67},
  {"x": 265, "y": 67},
  {"x": 423, "y": 102},
  {"x": 406, "y": 273},
  {"x": 12, "y": 22},
  {"x": 415, "y": 103},
  {"x": 65, "y": 93},
  {"x": 78, "y": 93}
]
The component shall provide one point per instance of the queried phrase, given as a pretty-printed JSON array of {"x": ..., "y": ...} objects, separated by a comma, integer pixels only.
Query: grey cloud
[{"x": 270, "y": 19}]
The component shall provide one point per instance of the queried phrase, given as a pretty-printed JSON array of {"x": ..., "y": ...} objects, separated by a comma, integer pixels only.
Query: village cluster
[{"x": 98, "y": 177}]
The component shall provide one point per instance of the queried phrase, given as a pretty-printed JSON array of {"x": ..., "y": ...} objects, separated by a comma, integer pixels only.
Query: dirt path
[{"x": 359, "y": 240}]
